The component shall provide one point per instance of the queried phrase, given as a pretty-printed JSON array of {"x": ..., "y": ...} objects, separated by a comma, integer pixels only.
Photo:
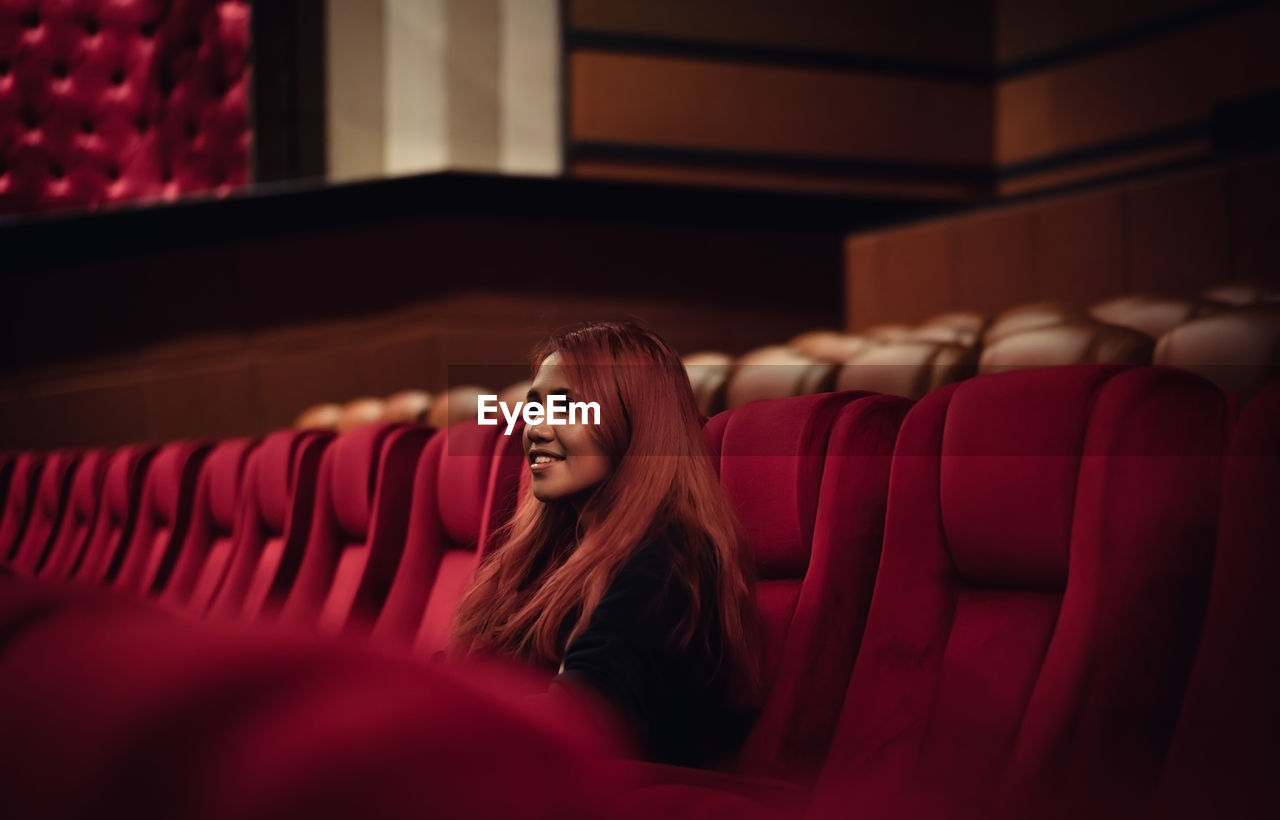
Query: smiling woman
[{"x": 622, "y": 566}]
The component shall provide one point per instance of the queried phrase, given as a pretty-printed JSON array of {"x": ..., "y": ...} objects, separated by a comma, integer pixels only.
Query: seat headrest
[
  {"x": 1239, "y": 349},
  {"x": 464, "y": 477},
  {"x": 1082, "y": 342},
  {"x": 86, "y": 487},
  {"x": 771, "y": 460},
  {"x": 222, "y": 474},
  {"x": 354, "y": 458}
]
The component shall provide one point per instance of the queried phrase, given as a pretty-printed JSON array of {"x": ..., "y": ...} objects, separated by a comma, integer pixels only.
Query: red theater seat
[
  {"x": 1038, "y": 598},
  {"x": 191, "y": 575},
  {"x": 464, "y": 489},
  {"x": 271, "y": 524},
  {"x": 808, "y": 478},
  {"x": 121, "y": 496},
  {"x": 113, "y": 710},
  {"x": 1225, "y": 755},
  {"x": 79, "y": 514},
  {"x": 46, "y": 511},
  {"x": 358, "y": 528},
  {"x": 164, "y": 513},
  {"x": 23, "y": 482}
]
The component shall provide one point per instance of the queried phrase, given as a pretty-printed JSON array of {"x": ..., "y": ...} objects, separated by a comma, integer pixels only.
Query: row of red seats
[{"x": 988, "y": 602}]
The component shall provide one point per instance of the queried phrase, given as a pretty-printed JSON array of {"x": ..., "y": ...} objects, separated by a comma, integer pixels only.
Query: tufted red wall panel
[{"x": 110, "y": 100}]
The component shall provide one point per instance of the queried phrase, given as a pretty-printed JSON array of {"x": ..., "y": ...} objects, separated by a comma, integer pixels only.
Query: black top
[{"x": 673, "y": 699}]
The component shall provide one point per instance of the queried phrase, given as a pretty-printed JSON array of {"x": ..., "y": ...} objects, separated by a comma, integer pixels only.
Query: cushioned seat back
[
  {"x": 962, "y": 327},
  {"x": 808, "y": 477},
  {"x": 1152, "y": 315},
  {"x": 78, "y": 516},
  {"x": 46, "y": 510},
  {"x": 358, "y": 528},
  {"x": 271, "y": 524},
  {"x": 1239, "y": 294},
  {"x": 121, "y": 497},
  {"x": 1225, "y": 754},
  {"x": 23, "y": 484},
  {"x": 1239, "y": 349},
  {"x": 488, "y": 467},
  {"x": 1038, "y": 596},
  {"x": 1029, "y": 317},
  {"x": 190, "y": 575},
  {"x": 775, "y": 373},
  {"x": 444, "y": 525},
  {"x": 708, "y": 374},
  {"x": 1084, "y": 342},
  {"x": 830, "y": 346},
  {"x": 910, "y": 368},
  {"x": 164, "y": 513}
]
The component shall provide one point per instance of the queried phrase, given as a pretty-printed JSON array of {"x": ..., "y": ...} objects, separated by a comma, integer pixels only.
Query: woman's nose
[{"x": 539, "y": 432}]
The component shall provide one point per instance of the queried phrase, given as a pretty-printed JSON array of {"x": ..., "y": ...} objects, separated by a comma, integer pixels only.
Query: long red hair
[{"x": 557, "y": 561}]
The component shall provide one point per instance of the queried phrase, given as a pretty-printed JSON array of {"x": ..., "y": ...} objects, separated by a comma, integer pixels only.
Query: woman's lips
[{"x": 541, "y": 462}]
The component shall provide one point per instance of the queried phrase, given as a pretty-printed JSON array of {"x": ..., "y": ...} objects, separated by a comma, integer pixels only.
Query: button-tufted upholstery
[
  {"x": 272, "y": 523},
  {"x": 110, "y": 100},
  {"x": 190, "y": 576},
  {"x": 81, "y": 511},
  {"x": 46, "y": 510},
  {"x": 358, "y": 528}
]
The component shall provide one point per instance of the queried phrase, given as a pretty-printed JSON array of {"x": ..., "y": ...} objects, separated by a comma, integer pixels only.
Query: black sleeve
[{"x": 626, "y": 652}]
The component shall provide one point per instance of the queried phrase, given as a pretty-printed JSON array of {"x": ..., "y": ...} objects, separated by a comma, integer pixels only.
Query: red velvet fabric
[
  {"x": 192, "y": 574},
  {"x": 453, "y": 515},
  {"x": 164, "y": 513},
  {"x": 19, "y": 501},
  {"x": 1225, "y": 755},
  {"x": 46, "y": 511},
  {"x": 110, "y": 100},
  {"x": 272, "y": 523},
  {"x": 81, "y": 511},
  {"x": 121, "y": 496},
  {"x": 358, "y": 528},
  {"x": 113, "y": 710},
  {"x": 1000, "y": 671}
]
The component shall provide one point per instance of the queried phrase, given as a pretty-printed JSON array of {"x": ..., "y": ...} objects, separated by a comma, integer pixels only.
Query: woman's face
[{"x": 564, "y": 460}]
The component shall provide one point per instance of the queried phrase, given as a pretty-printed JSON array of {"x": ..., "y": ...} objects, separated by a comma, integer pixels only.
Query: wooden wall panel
[
  {"x": 220, "y": 400},
  {"x": 686, "y": 103},
  {"x": 78, "y": 415},
  {"x": 863, "y": 302},
  {"x": 1167, "y": 82},
  {"x": 1079, "y": 247},
  {"x": 1178, "y": 242},
  {"x": 1030, "y": 28},
  {"x": 290, "y": 382},
  {"x": 1254, "y": 203},
  {"x": 913, "y": 277},
  {"x": 939, "y": 31},
  {"x": 993, "y": 260}
]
